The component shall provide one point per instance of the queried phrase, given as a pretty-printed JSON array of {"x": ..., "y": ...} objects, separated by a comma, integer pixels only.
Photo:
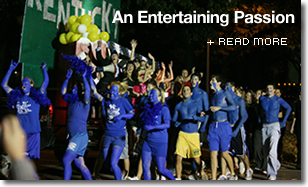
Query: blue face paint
[
  {"x": 114, "y": 92},
  {"x": 154, "y": 96},
  {"x": 229, "y": 88},
  {"x": 26, "y": 86},
  {"x": 215, "y": 85},
  {"x": 75, "y": 90},
  {"x": 195, "y": 81}
]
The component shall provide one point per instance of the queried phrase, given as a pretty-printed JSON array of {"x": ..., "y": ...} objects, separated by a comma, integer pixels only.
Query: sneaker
[
  {"x": 157, "y": 177},
  {"x": 135, "y": 178},
  {"x": 163, "y": 178},
  {"x": 242, "y": 168},
  {"x": 228, "y": 174},
  {"x": 222, "y": 178},
  {"x": 203, "y": 165},
  {"x": 264, "y": 172},
  {"x": 191, "y": 177},
  {"x": 123, "y": 174},
  {"x": 233, "y": 178},
  {"x": 178, "y": 179},
  {"x": 249, "y": 174},
  {"x": 272, "y": 178}
]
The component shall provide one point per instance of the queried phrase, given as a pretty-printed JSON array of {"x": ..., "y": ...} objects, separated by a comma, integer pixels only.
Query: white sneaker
[
  {"x": 228, "y": 174},
  {"x": 157, "y": 177},
  {"x": 249, "y": 174},
  {"x": 222, "y": 178},
  {"x": 178, "y": 179},
  {"x": 203, "y": 165},
  {"x": 191, "y": 177},
  {"x": 271, "y": 178},
  {"x": 233, "y": 178},
  {"x": 163, "y": 178},
  {"x": 134, "y": 178},
  {"x": 242, "y": 167}
]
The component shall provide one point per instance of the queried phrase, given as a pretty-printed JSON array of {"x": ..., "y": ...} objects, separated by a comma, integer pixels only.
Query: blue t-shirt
[
  {"x": 28, "y": 112},
  {"x": 113, "y": 108},
  {"x": 158, "y": 135},
  {"x": 77, "y": 117}
]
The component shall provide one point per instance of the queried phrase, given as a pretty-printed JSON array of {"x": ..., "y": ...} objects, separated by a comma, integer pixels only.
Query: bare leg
[
  {"x": 140, "y": 169},
  {"x": 229, "y": 161},
  {"x": 223, "y": 166},
  {"x": 126, "y": 165},
  {"x": 178, "y": 166},
  {"x": 214, "y": 164}
]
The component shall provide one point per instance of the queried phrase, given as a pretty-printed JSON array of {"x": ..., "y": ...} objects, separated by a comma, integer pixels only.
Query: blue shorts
[
  {"x": 33, "y": 145},
  {"x": 157, "y": 149},
  {"x": 78, "y": 143},
  {"x": 113, "y": 141},
  {"x": 219, "y": 136}
]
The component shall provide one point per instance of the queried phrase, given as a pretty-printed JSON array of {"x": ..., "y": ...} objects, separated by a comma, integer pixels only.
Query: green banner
[{"x": 41, "y": 28}]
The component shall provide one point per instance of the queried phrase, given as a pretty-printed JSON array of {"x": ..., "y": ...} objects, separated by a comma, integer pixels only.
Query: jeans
[{"x": 271, "y": 134}]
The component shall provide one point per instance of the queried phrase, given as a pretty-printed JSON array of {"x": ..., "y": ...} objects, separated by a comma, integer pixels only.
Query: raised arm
[
  {"x": 188, "y": 77},
  {"x": 95, "y": 93},
  {"x": 46, "y": 79},
  {"x": 153, "y": 63},
  {"x": 64, "y": 85},
  {"x": 243, "y": 115},
  {"x": 162, "y": 73},
  {"x": 7, "y": 76},
  {"x": 87, "y": 92},
  {"x": 171, "y": 73},
  {"x": 134, "y": 45},
  {"x": 285, "y": 105}
]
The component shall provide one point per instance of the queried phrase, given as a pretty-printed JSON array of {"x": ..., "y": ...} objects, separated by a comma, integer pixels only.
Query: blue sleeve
[
  {"x": 285, "y": 105},
  {"x": 127, "y": 106},
  {"x": 242, "y": 118},
  {"x": 165, "y": 114}
]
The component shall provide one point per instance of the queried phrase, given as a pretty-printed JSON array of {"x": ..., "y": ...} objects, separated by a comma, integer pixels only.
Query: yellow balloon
[
  {"x": 68, "y": 36},
  {"x": 78, "y": 19},
  {"x": 93, "y": 36},
  {"x": 72, "y": 19},
  {"x": 75, "y": 27},
  {"x": 104, "y": 36},
  {"x": 68, "y": 25},
  {"x": 92, "y": 28},
  {"x": 75, "y": 37},
  {"x": 86, "y": 19},
  {"x": 62, "y": 39}
]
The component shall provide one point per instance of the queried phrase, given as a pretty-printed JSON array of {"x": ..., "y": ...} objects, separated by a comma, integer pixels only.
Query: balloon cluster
[{"x": 81, "y": 27}]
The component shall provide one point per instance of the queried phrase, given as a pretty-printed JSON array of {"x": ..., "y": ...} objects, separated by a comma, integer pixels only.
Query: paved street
[{"x": 49, "y": 168}]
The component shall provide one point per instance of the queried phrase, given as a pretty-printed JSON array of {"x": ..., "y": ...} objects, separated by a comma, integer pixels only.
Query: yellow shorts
[{"x": 188, "y": 145}]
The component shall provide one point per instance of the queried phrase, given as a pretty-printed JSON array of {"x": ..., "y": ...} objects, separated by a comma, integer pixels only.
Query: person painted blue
[
  {"x": 238, "y": 147},
  {"x": 270, "y": 104},
  {"x": 186, "y": 116},
  {"x": 199, "y": 95},
  {"x": 115, "y": 111},
  {"x": 78, "y": 111},
  {"x": 155, "y": 120},
  {"x": 26, "y": 102},
  {"x": 220, "y": 131}
]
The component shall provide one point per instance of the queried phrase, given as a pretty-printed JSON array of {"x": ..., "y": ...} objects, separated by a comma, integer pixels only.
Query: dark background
[{"x": 249, "y": 66}]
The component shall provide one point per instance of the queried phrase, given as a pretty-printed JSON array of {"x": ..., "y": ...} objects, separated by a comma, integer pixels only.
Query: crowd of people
[{"x": 172, "y": 119}]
